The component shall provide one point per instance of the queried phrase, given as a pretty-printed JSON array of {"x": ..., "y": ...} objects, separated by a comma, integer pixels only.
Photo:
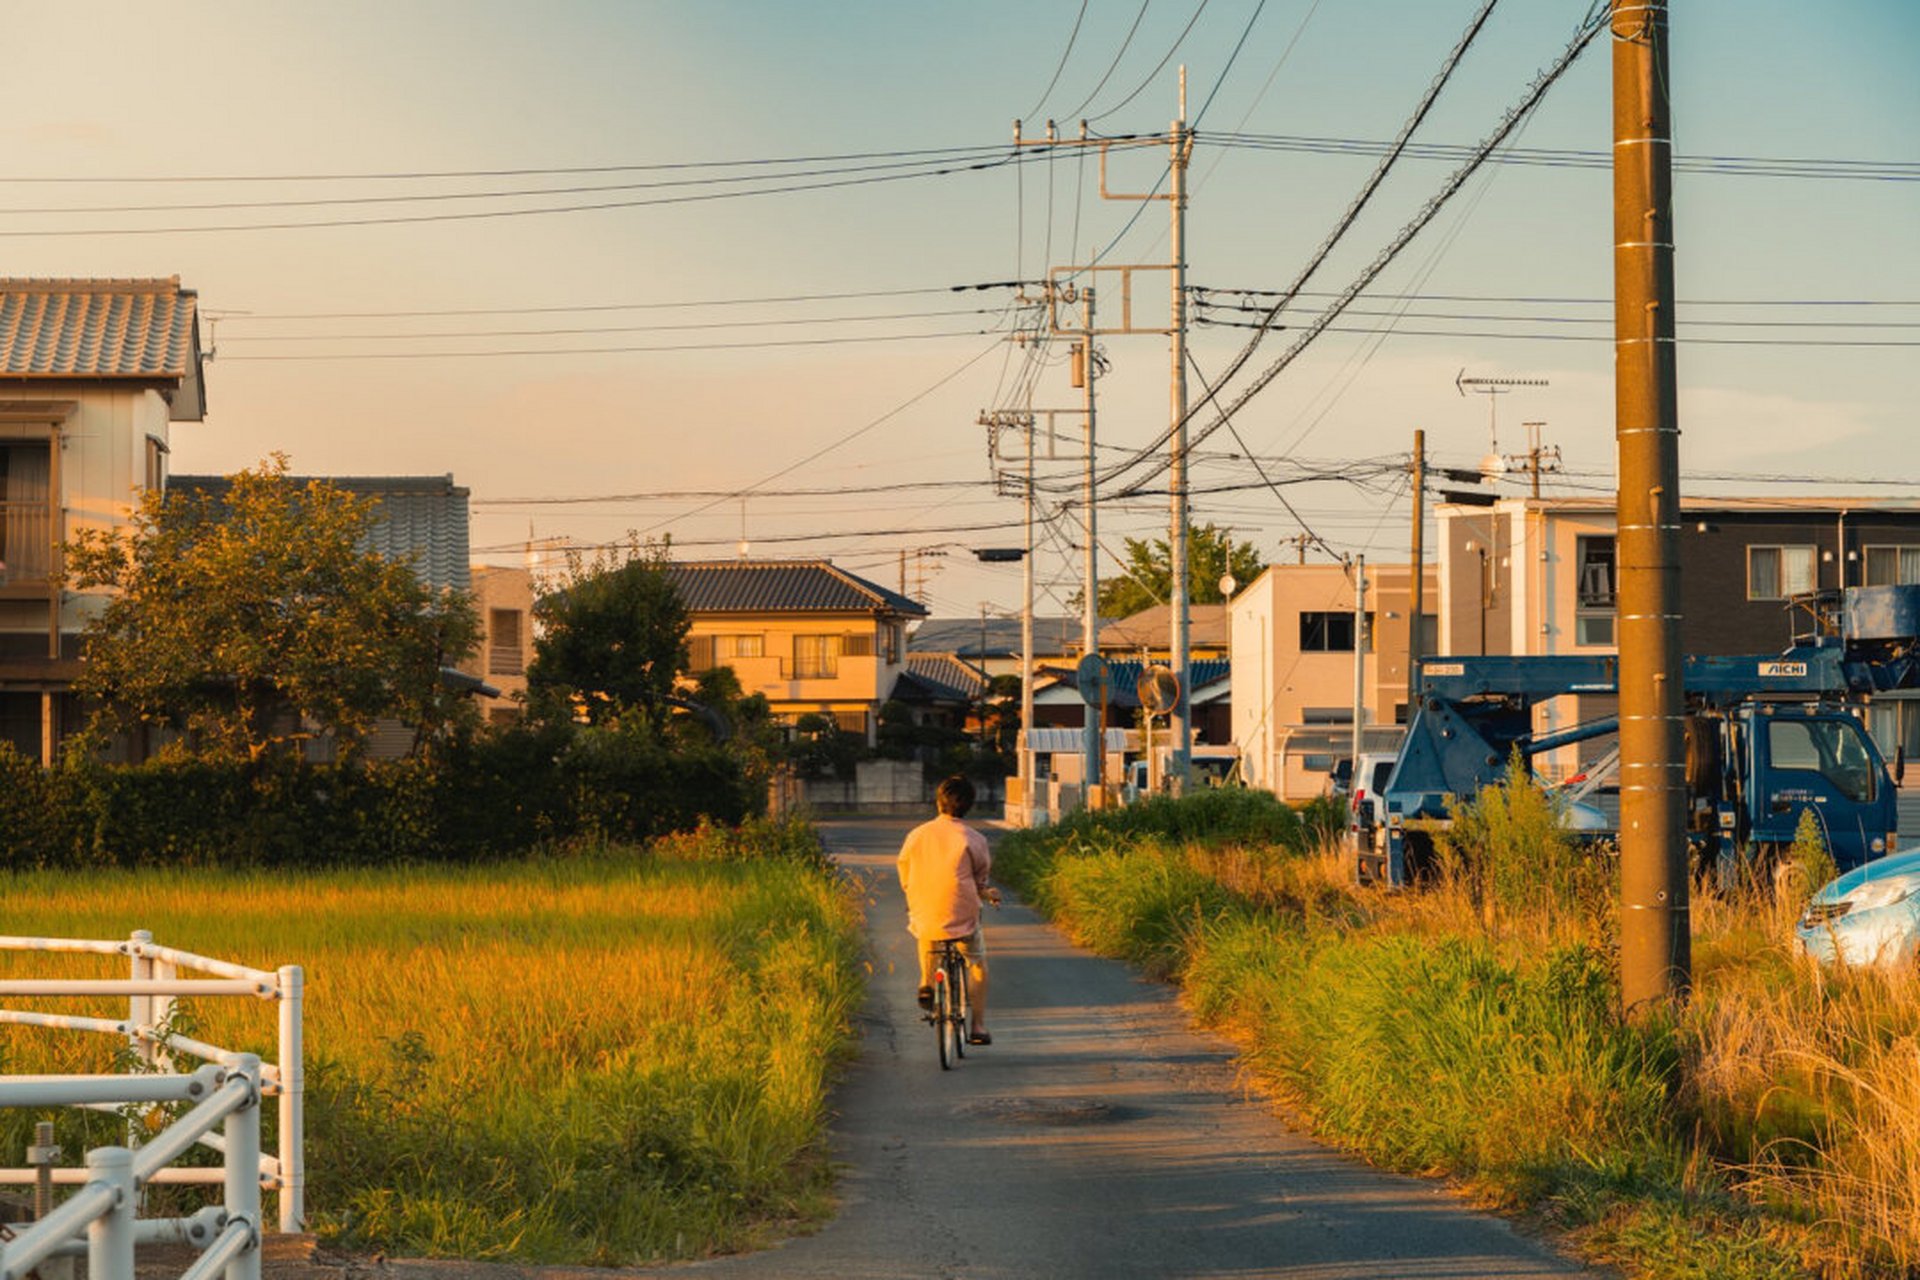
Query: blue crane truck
[{"x": 1768, "y": 737}]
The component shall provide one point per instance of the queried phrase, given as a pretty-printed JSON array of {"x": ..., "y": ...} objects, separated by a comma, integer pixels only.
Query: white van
[{"x": 1367, "y": 814}]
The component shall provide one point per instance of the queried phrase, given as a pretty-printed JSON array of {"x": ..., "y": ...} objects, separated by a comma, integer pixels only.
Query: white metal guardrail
[{"x": 151, "y": 987}]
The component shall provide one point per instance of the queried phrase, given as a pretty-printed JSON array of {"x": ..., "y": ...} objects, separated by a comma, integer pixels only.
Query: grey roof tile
[
  {"x": 782, "y": 586},
  {"x": 84, "y": 328}
]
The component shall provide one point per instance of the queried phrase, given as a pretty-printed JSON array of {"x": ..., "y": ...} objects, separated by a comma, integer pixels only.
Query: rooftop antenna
[
  {"x": 744, "y": 544},
  {"x": 1492, "y": 464}
]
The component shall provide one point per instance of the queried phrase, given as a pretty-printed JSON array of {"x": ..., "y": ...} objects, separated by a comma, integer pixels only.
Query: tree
[
  {"x": 253, "y": 618},
  {"x": 1148, "y": 574},
  {"x": 612, "y": 640}
]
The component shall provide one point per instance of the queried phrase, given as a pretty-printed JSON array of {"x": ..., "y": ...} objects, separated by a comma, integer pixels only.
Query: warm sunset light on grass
[{"x": 601, "y": 1059}]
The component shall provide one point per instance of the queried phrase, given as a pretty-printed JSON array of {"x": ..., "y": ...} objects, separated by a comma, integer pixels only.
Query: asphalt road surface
[{"x": 1096, "y": 1137}]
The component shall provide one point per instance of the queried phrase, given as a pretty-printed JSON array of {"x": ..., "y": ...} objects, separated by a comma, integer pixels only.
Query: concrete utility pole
[
  {"x": 1180, "y": 142},
  {"x": 1027, "y": 780},
  {"x": 1179, "y": 592},
  {"x": 1359, "y": 665},
  {"x": 1655, "y": 925},
  {"x": 1417, "y": 589},
  {"x": 1093, "y": 718}
]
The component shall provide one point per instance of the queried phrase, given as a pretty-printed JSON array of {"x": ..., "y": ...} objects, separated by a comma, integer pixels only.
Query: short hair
[{"x": 954, "y": 796}]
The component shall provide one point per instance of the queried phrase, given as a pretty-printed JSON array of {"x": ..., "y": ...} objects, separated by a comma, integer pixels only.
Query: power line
[
  {"x": 631, "y": 328},
  {"x": 1340, "y": 228},
  {"x": 1112, "y": 66},
  {"x": 943, "y": 170},
  {"x": 1158, "y": 66},
  {"x": 620, "y": 350},
  {"x": 1806, "y": 167},
  {"x": 1064, "y": 55},
  {"x": 1511, "y": 120},
  {"x": 421, "y": 175}
]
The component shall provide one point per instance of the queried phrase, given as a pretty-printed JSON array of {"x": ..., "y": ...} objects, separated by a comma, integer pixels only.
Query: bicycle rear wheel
[
  {"x": 943, "y": 1019},
  {"x": 962, "y": 1005}
]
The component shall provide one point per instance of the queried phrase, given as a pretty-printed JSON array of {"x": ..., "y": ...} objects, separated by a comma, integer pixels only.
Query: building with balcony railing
[{"x": 93, "y": 373}]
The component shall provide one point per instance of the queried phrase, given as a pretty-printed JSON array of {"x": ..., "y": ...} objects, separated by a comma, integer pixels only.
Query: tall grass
[
  {"x": 1472, "y": 1030},
  {"x": 604, "y": 1059}
]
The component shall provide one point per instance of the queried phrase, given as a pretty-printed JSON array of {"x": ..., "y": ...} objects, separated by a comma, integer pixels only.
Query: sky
[{"x": 737, "y": 295}]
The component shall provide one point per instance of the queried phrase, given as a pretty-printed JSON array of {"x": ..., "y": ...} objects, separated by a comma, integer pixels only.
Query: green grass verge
[
  {"x": 1429, "y": 1049},
  {"x": 610, "y": 1058}
]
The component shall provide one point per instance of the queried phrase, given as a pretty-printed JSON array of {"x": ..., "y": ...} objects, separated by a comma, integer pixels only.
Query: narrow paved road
[{"x": 1096, "y": 1137}]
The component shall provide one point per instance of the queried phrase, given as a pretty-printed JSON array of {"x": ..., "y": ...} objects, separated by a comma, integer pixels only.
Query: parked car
[
  {"x": 1869, "y": 916},
  {"x": 1366, "y": 811}
]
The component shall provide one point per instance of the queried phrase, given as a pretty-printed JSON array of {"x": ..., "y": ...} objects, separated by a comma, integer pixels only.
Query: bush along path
[{"x": 1471, "y": 1030}]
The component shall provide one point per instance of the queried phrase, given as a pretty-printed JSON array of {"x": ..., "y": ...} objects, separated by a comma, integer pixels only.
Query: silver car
[{"x": 1869, "y": 916}]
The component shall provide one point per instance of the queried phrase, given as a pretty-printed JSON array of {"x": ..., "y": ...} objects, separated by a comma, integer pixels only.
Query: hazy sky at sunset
[{"x": 341, "y": 102}]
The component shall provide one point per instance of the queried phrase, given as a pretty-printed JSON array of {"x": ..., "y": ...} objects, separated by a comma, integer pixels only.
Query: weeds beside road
[
  {"x": 617, "y": 1056},
  {"x": 1471, "y": 1030}
]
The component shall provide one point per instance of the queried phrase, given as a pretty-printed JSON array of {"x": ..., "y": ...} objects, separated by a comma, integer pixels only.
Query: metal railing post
[
  {"x": 139, "y": 1006},
  {"x": 243, "y": 1171},
  {"x": 110, "y": 1236},
  {"x": 293, "y": 1102}
]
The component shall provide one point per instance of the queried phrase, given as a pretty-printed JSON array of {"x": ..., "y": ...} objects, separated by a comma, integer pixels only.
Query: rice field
[{"x": 607, "y": 1058}]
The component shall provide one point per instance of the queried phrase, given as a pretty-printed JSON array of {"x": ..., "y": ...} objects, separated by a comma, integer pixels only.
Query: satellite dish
[
  {"x": 1227, "y": 585},
  {"x": 1491, "y": 466},
  {"x": 1159, "y": 690}
]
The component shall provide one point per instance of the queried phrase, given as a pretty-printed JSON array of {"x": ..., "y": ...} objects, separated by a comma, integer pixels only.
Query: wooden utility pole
[
  {"x": 1417, "y": 589},
  {"x": 1655, "y": 927}
]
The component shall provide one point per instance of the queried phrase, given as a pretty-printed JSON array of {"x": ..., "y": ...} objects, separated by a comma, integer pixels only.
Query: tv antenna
[{"x": 1493, "y": 389}]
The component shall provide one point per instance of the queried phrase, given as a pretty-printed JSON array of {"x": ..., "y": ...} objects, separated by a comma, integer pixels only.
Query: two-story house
[
  {"x": 812, "y": 637},
  {"x": 1294, "y": 642},
  {"x": 1538, "y": 576},
  {"x": 93, "y": 373}
]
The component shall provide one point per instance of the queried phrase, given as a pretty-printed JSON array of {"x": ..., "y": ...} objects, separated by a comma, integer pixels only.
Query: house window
[
  {"x": 156, "y": 465},
  {"x": 1594, "y": 591},
  {"x": 853, "y": 722},
  {"x": 700, "y": 653},
  {"x": 1776, "y": 573},
  {"x": 896, "y": 636},
  {"x": 1893, "y": 566},
  {"x": 26, "y": 512},
  {"x": 1327, "y": 631},
  {"x": 744, "y": 646},
  {"x": 506, "y": 652},
  {"x": 856, "y": 646},
  {"x": 816, "y": 657}
]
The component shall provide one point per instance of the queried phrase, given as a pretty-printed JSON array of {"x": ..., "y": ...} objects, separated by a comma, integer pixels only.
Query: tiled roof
[
  {"x": 1152, "y": 626},
  {"x": 939, "y": 677},
  {"x": 422, "y": 517},
  {"x": 135, "y": 329},
  {"x": 781, "y": 586},
  {"x": 996, "y": 637}
]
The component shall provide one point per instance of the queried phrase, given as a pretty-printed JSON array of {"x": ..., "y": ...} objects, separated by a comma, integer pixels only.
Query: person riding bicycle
[{"x": 943, "y": 868}]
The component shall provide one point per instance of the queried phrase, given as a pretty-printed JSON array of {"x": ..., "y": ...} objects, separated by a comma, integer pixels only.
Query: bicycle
[{"x": 951, "y": 1005}]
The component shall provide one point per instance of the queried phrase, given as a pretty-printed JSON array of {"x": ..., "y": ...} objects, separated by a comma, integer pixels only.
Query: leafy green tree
[
  {"x": 612, "y": 639},
  {"x": 1148, "y": 577},
  {"x": 253, "y": 618}
]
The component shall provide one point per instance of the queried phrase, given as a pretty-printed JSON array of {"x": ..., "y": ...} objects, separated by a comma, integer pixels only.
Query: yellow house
[{"x": 812, "y": 637}]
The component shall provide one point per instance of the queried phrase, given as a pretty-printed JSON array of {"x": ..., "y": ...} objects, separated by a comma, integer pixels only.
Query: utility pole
[
  {"x": 1027, "y": 779},
  {"x": 1091, "y": 736},
  {"x": 1180, "y": 144},
  {"x": 1417, "y": 589},
  {"x": 1359, "y": 663},
  {"x": 1537, "y": 458},
  {"x": 1024, "y": 421},
  {"x": 1655, "y": 923}
]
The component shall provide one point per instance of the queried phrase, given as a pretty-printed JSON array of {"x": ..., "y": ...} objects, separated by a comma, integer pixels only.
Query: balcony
[{"x": 26, "y": 547}]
